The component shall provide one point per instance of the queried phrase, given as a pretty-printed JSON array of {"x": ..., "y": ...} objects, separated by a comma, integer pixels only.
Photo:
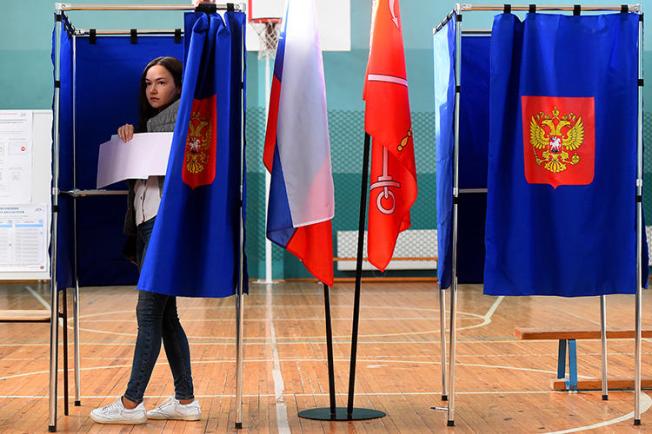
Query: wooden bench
[
  {"x": 568, "y": 338},
  {"x": 25, "y": 315}
]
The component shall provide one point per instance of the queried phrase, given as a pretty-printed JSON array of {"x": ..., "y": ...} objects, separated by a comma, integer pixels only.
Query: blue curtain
[
  {"x": 474, "y": 136},
  {"x": 106, "y": 91},
  {"x": 64, "y": 252},
  {"x": 474, "y": 140},
  {"x": 194, "y": 250},
  {"x": 444, "y": 51},
  {"x": 561, "y": 205}
]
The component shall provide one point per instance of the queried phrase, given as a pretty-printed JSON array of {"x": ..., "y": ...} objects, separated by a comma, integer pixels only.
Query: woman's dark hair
[{"x": 174, "y": 67}]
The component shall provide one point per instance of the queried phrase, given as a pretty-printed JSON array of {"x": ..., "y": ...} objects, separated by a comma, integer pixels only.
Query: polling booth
[
  {"x": 526, "y": 115},
  {"x": 104, "y": 84},
  {"x": 97, "y": 75}
]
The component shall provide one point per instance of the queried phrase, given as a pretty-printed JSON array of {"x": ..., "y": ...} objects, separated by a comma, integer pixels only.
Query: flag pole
[
  {"x": 329, "y": 350},
  {"x": 639, "y": 232},
  {"x": 332, "y": 413},
  {"x": 359, "y": 413},
  {"x": 268, "y": 176},
  {"x": 349, "y": 413},
  {"x": 358, "y": 272}
]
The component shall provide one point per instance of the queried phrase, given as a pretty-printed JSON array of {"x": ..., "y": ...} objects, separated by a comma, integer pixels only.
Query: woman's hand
[{"x": 126, "y": 132}]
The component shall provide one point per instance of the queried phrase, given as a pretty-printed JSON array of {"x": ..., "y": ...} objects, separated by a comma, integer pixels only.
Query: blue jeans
[{"x": 158, "y": 320}]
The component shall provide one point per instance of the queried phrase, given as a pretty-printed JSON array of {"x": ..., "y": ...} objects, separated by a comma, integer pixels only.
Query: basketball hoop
[{"x": 268, "y": 30}]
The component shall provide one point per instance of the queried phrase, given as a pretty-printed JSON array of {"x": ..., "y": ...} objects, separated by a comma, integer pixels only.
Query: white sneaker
[
  {"x": 117, "y": 413},
  {"x": 173, "y": 409}
]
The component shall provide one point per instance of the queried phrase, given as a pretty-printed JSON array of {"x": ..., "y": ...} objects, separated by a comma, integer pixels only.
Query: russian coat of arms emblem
[{"x": 558, "y": 140}]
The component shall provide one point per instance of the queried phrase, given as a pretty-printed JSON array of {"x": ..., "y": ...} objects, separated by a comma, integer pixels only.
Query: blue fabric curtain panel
[
  {"x": 444, "y": 50},
  {"x": 194, "y": 250},
  {"x": 474, "y": 137},
  {"x": 106, "y": 91},
  {"x": 562, "y": 156},
  {"x": 65, "y": 239},
  {"x": 474, "y": 140}
]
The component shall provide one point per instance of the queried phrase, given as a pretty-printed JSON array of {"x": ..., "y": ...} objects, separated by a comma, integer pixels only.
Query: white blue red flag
[{"x": 297, "y": 146}]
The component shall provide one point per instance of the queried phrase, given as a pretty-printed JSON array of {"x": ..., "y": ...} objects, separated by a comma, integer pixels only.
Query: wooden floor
[{"x": 504, "y": 384}]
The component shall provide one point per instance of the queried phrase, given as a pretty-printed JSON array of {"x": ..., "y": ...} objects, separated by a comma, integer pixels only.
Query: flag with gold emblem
[
  {"x": 561, "y": 206},
  {"x": 194, "y": 249}
]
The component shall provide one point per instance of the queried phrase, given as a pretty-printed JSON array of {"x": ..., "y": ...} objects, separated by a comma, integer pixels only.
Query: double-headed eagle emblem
[
  {"x": 555, "y": 139},
  {"x": 199, "y": 133}
]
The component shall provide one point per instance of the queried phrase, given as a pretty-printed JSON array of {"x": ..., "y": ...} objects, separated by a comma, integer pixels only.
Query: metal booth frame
[
  {"x": 448, "y": 373},
  {"x": 59, "y": 10}
]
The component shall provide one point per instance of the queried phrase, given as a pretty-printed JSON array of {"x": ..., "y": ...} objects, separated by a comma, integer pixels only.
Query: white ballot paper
[{"x": 143, "y": 156}]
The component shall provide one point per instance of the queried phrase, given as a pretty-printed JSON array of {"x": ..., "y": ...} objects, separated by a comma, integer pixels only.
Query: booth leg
[
  {"x": 77, "y": 356},
  {"x": 64, "y": 317},
  {"x": 54, "y": 355},
  {"x": 442, "y": 334},
  {"x": 603, "y": 339}
]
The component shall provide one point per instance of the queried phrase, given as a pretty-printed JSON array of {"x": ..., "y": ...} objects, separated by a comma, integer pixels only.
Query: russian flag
[{"x": 297, "y": 146}]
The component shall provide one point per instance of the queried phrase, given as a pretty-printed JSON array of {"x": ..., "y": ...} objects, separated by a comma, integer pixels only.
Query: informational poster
[
  {"x": 23, "y": 238},
  {"x": 15, "y": 156}
]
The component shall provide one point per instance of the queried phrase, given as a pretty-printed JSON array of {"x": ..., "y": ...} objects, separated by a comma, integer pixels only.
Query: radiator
[
  {"x": 417, "y": 243},
  {"x": 648, "y": 235}
]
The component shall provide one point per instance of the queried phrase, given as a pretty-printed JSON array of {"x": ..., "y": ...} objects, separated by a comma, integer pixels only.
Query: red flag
[{"x": 393, "y": 187}]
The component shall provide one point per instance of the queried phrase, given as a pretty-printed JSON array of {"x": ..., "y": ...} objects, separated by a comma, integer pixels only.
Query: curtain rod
[
  {"x": 112, "y": 7},
  {"x": 476, "y": 32},
  {"x": 109, "y": 32},
  {"x": 444, "y": 21},
  {"x": 569, "y": 8},
  {"x": 526, "y": 8},
  {"x": 85, "y": 193}
]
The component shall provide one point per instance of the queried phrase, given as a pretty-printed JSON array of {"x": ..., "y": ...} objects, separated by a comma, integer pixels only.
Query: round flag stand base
[{"x": 341, "y": 414}]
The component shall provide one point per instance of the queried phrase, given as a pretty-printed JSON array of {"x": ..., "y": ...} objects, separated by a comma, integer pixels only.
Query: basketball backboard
[
  {"x": 333, "y": 16},
  {"x": 257, "y": 9}
]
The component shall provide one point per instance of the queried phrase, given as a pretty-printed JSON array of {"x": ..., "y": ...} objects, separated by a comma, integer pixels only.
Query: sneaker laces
[
  {"x": 114, "y": 405},
  {"x": 167, "y": 403}
]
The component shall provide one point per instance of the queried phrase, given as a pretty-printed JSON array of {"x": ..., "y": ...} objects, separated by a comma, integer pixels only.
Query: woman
[{"x": 156, "y": 313}]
